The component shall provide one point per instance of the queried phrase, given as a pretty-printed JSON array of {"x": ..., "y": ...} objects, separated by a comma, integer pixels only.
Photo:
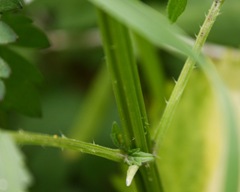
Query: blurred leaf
[
  {"x": 13, "y": 173},
  {"x": 9, "y": 5},
  {"x": 192, "y": 148},
  {"x": 2, "y": 90},
  {"x": 21, "y": 93},
  {"x": 153, "y": 26},
  {"x": 175, "y": 9},
  {"x": 4, "y": 73},
  {"x": 29, "y": 35},
  {"x": 4, "y": 69},
  {"x": 7, "y": 35}
]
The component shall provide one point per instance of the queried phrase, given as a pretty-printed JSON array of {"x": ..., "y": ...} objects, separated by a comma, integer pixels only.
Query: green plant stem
[
  {"x": 27, "y": 138},
  {"x": 125, "y": 80},
  {"x": 128, "y": 94},
  {"x": 185, "y": 74}
]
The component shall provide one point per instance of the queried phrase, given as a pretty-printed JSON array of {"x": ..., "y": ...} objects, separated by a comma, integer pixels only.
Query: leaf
[
  {"x": 13, "y": 174},
  {"x": 137, "y": 157},
  {"x": 7, "y": 35},
  {"x": 4, "y": 69},
  {"x": 10, "y": 5},
  {"x": 21, "y": 92},
  {"x": 29, "y": 35},
  {"x": 175, "y": 8},
  {"x": 181, "y": 159},
  {"x": 4, "y": 73},
  {"x": 153, "y": 26}
]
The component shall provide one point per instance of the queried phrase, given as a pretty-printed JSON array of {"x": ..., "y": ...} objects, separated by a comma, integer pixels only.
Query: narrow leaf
[
  {"x": 153, "y": 26},
  {"x": 7, "y": 35},
  {"x": 13, "y": 173},
  {"x": 175, "y": 8}
]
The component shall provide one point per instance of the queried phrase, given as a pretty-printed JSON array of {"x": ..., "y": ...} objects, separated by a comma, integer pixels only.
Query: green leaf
[
  {"x": 13, "y": 174},
  {"x": 10, "y": 5},
  {"x": 4, "y": 69},
  {"x": 7, "y": 35},
  {"x": 29, "y": 35},
  {"x": 175, "y": 8},
  {"x": 21, "y": 93},
  {"x": 137, "y": 157}
]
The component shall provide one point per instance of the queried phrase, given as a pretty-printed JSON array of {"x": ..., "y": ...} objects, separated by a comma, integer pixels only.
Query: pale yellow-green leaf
[
  {"x": 7, "y": 35},
  {"x": 192, "y": 145},
  {"x": 4, "y": 69},
  {"x": 195, "y": 146},
  {"x": 14, "y": 176}
]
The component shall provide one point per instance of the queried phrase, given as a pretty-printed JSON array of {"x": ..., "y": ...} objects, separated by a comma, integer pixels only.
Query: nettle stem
[
  {"x": 185, "y": 75},
  {"x": 127, "y": 90},
  {"x": 27, "y": 138}
]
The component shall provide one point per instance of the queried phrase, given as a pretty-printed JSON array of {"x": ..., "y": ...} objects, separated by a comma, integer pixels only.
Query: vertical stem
[{"x": 127, "y": 90}]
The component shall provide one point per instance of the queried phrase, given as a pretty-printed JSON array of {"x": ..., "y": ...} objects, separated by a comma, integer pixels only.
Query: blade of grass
[
  {"x": 127, "y": 90},
  {"x": 146, "y": 22}
]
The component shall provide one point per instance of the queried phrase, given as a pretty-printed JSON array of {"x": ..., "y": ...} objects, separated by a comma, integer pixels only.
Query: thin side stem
[
  {"x": 27, "y": 138},
  {"x": 185, "y": 75}
]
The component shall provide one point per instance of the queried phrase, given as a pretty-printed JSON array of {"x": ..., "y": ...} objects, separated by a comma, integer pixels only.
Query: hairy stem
[
  {"x": 126, "y": 85},
  {"x": 185, "y": 75},
  {"x": 27, "y": 138}
]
